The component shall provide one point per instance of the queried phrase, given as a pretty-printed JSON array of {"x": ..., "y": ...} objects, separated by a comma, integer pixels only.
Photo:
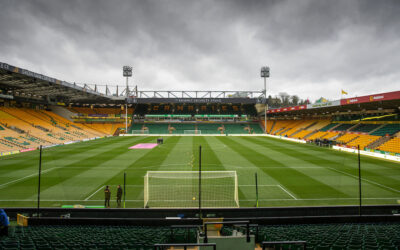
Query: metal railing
[
  {"x": 271, "y": 243},
  {"x": 185, "y": 245}
]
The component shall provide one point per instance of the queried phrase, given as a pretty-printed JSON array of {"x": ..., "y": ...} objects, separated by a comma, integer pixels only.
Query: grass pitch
[{"x": 289, "y": 174}]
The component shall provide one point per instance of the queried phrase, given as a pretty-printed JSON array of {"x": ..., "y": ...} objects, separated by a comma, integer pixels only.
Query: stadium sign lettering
[{"x": 193, "y": 100}]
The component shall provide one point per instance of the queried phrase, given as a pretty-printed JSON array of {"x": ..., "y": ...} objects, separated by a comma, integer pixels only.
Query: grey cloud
[{"x": 313, "y": 47}]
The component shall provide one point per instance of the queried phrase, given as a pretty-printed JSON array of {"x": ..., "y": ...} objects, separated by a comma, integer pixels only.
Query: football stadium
[
  {"x": 129, "y": 160},
  {"x": 194, "y": 154}
]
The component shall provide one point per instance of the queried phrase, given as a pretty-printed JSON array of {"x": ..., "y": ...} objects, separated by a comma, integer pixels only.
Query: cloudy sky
[{"x": 314, "y": 48}]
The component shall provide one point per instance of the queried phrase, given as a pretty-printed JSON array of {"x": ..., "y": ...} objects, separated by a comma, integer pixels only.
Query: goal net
[
  {"x": 192, "y": 132},
  {"x": 140, "y": 132},
  {"x": 180, "y": 189}
]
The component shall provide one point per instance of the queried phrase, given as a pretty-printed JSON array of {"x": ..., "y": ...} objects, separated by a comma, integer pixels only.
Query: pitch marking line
[
  {"x": 310, "y": 199},
  {"x": 284, "y": 189},
  {"x": 373, "y": 182},
  {"x": 23, "y": 178},
  {"x": 90, "y": 196}
]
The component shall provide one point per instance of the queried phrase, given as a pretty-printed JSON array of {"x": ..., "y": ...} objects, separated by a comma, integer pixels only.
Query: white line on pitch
[
  {"x": 90, "y": 196},
  {"x": 373, "y": 182},
  {"x": 294, "y": 197},
  {"x": 311, "y": 199},
  {"x": 28, "y": 176}
]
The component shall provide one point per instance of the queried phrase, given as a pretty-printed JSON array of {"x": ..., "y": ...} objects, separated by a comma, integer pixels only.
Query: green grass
[{"x": 289, "y": 174}]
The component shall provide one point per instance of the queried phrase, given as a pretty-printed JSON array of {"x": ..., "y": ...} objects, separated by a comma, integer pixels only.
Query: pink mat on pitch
[{"x": 144, "y": 145}]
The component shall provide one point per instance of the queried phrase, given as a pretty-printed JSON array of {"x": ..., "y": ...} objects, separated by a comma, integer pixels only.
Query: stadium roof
[
  {"x": 389, "y": 101},
  {"x": 21, "y": 83}
]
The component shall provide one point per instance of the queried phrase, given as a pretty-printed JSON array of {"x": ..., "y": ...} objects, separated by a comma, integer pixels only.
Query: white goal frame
[
  {"x": 192, "y": 132},
  {"x": 140, "y": 132},
  {"x": 172, "y": 174}
]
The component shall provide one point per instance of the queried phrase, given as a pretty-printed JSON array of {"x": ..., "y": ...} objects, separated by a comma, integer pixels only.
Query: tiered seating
[
  {"x": 90, "y": 237},
  {"x": 299, "y": 125},
  {"x": 136, "y": 126},
  {"x": 256, "y": 129},
  {"x": 365, "y": 128},
  {"x": 211, "y": 128},
  {"x": 281, "y": 125},
  {"x": 343, "y": 127},
  {"x": 329, "y": 135},
  {"x": 363, "y": 141},
  {"x": 106, "y": 128},
  {"x": 336, "y": 236},
  {"x": 388, "y": 129},
  {"x": 27, "y": 128},
  {"x": 392, "y": 145},
  {"x": 292, "y": 128},
  {"x": 157, "y": 128},
  {"x": 317, "y": 135},
  {"x": 235, "y": 129},
  {"x": 328, "y": 127},
  {"x": 181, "y": 127},
  {"x": 345, "y": 138}
]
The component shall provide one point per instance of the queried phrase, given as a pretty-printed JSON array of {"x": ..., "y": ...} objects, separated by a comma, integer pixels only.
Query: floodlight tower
[
  {"x": 265, "y": 74},
  {"x": 127, "y": 72}
]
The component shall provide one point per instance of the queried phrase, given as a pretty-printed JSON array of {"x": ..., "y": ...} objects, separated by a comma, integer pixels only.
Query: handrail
[
  {"x": 300, "y": 242},
  {"x": 185, "y": 245}
]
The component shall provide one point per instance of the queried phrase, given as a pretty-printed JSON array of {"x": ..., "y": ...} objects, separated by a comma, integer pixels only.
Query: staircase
[
  {"x": 353, "y": 127},
  {"x": 336, "y": 136},
  {"x": 310, "y": 134},
  {"x": 370, "y": 132},
  {"x": 333, "y": 128},
  {"x": 379, "y": 142},
  {"x": 355, "y": 138},
  {"x": 309, "y": 126},
  {"x": 305, "y": 128},
  {"x": 285, "y": 130},
  {"x": 272, "y": 127}
]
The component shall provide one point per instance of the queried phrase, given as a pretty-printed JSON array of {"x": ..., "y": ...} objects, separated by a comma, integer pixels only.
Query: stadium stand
[
  {"x": 25, "y": 128},
  {"x": 388, "y": 129},
  {"x": 346, "y": 138},
  {"x": 363, "y": 141},
  {"x": 317, "y": 236},
  {"x": 337, "y": 236},
  {"x": 392, "y": 145}
]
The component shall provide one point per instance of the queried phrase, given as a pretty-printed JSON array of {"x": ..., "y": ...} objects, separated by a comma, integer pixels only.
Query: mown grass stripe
[
  {"x": 211, "y": 158},
  {"x": 288, "y": 177},
  {"x": 91, "y": 162},
  {"x": 316, "y": 160},
  {"x": 140, "y": 163}
]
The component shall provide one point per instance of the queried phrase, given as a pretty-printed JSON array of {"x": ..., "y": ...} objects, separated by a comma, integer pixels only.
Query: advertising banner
[
  {"x": 371, "y": 98},
  {"x": 27, "y": 150},
  {"x": 301, "y": 107}
]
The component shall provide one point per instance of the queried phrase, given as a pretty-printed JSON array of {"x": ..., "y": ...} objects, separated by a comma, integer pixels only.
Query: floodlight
[
  {"x": 265, "y": 71},
  {"x": 127, "y": 71}
]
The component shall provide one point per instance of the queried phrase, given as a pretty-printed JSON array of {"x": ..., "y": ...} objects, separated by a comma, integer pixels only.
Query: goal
[
  {"x": 180, "y": 189},
  {"x": 140, "y": 132},
  {"x": 192, "y": 132}
]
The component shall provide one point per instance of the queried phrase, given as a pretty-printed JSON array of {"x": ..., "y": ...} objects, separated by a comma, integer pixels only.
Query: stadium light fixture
[
  {"x": 126, "y": 72},
  {"x": 265, "y": 74}
]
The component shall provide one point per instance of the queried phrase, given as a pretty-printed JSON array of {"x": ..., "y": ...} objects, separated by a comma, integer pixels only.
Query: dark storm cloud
[{"x": 314, "y": 48}]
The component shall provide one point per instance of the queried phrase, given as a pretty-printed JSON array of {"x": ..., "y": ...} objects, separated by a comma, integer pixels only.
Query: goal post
[
  {"x": 140, "y": 132},
  {"x": 192, "y": 132},
  {"x": 180, "y": 189}
]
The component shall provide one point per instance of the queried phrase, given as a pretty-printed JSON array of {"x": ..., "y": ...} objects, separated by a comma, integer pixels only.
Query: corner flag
[{"x": 344, "y": 92}]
